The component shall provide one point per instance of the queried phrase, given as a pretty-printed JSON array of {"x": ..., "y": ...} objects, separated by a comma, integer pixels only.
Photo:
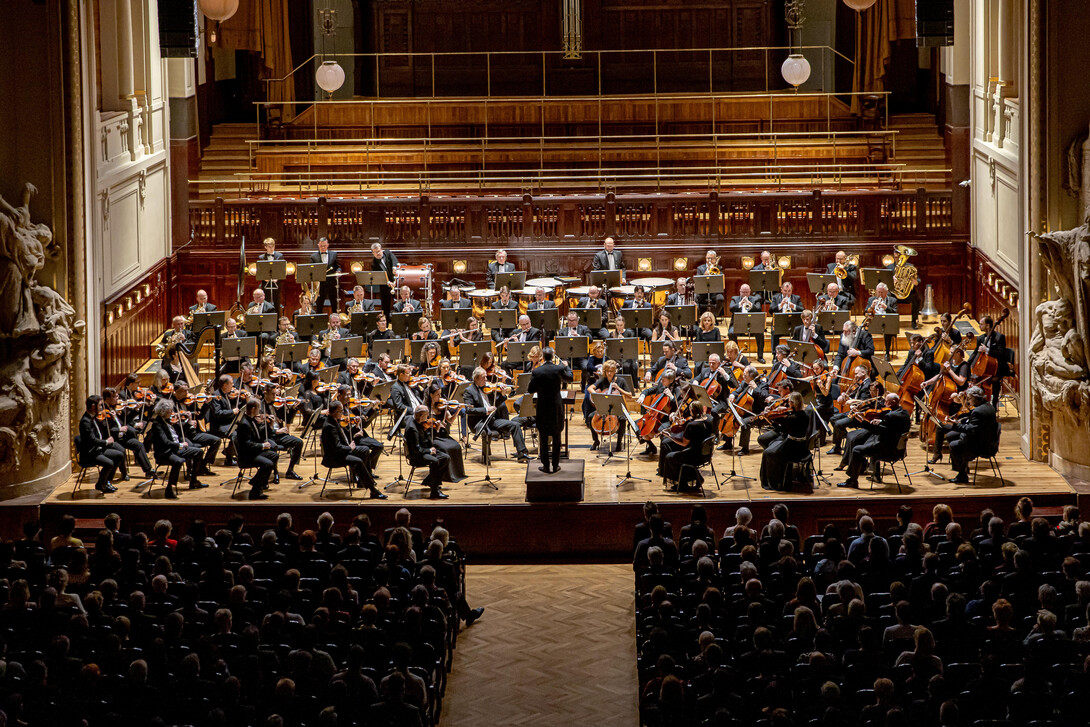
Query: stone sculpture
[{"x": 37, "y": 329}]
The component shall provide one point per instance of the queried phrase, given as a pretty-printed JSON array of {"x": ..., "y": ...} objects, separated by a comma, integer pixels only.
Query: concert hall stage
[{"x": 499, "y": 525}]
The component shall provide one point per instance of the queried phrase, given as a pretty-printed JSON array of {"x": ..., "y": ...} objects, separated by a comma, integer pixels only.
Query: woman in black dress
[
  {"x": 789, "y": 447},
  {"x": 440, "y": 437}
]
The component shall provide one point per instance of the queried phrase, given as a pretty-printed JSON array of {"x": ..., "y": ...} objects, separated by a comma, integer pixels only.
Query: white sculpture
[{"x": 36, "y": 330}]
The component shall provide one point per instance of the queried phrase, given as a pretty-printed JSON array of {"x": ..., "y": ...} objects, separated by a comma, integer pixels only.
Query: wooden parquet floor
[{"x": 556, "y": 646}]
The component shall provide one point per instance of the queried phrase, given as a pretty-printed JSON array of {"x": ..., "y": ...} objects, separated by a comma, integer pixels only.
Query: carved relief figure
[
  {"x": 1058, "y": 348},
  {"x": 37, "y": 326}
]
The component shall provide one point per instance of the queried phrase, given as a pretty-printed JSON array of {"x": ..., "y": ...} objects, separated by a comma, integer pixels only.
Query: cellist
[
  {"x": 750, "y": 388},
  {"x": 992, "y": 343},
  {"x": 919, "y": 364},
  {"x": 657, "y": 401},
  {"x": 608, "y": 383},
  {"x": 958, "y": 371},
  {"x": 718, "y": 382}
]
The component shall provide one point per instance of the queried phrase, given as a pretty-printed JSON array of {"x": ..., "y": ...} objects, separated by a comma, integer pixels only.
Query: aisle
[{"x": 555, "y": 646}]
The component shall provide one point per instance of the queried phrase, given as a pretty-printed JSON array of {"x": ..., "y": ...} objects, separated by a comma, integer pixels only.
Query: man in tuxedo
[
  {"x": 272, "y": 288},
  {"x": 572, "y": 328},
  {"x": 810, "y": 332},
  {"x": 506, "y": 302},
  {"x": 455, "y": 301},
  {"x": 854, "y": 341},
  {"x": 781, "y": 362},
  {"x": 766, "y": 262},
  {"x": 405, "y": 302},
  {"x": 786, "y": 301},
  {"x": 709, "y": 301},
  {"x": 276, "y": 429},
  {"x": 479, "y": 406},
  {"x": 609, "y": 259},
  {"x": 256, "y": 450},
  {"x": 222, "y": 410},
  {"x": 422, "y": 453},
  {"x": 670, "y": 359},
  {"x": 334, "y": 332},
  {"x": 882, "y": 303},
  {"x": 97, "y": 447},
  {"x": 639, "y": 300},
  {"x": 382, "y": 261},
  {"x": 885, "y": 435},
  {"x": 499, "y": 265},
  {"x": 546, "y": 382},
  {"x": 179, "y": 335},
  {"x": 715, "y": 371},
  {"x": 746, "y": 302},
  {"x": 994, "y": 344},
  {"x": 975, "y": 435},
  {"x": 524, "y": 333},
  {"x": 202, "y": 439},
  {"x": 260, "y": 306},
  {"x": 202, "y": 305},
  {"x": 379, "y": 366},
  {"x": 541, "y": 300},
  {"x": 857, "y": 389},
  {"x": 848, "y": 282},
  {"x": 403, "y": 397},
  {"x": 594, "y": 299},
  {"x": 359, "y": 302},
  {"x": 833, "y": 299},
  {"x": 338, "y": 450},
  {"x": 125, "y": 434},
  {"x": 173, "y": 449},
  {"x": 920, "y": 355},
  {"x": 329, "y": 289}
]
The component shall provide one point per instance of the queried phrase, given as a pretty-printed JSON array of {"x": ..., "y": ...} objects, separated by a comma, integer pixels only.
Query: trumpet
[{"x": 747, "y": 305}]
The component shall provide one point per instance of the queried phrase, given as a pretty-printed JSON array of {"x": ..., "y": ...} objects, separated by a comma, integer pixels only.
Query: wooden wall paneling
[
  {"x": 125, "y": 336},
  {"x": 987, "y": 288}
]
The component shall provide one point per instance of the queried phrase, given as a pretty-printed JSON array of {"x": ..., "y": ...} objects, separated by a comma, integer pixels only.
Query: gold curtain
[
  {"x": 262, "y": 26},
  {"x": 875, "y": 30}
]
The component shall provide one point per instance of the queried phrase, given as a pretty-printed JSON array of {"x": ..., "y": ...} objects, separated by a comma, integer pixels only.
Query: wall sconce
[
  {"x": 147, "y": 290},
  {"x": 459, "y": 267},
  {"x": 887, "y": 260},
  {"x": 643, "y": 264},
  {"x": 747, "y": 262},
  {"x": 110, "y": 319},
  {"x": 291, "y": 268},
  {"x": 784, "y": 261},
  {"x": 681, "y": 263},
  {"x": 991, "y": 278},
  {"x": 138, "y": 297},
  {"x": 119, "y": 310},
  {"x": 356, "y": 266},
  {"x": 1014, "y": 298}
]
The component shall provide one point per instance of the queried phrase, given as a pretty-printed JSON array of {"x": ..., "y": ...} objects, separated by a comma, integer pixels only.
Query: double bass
[{"x": 939, "y": 399}]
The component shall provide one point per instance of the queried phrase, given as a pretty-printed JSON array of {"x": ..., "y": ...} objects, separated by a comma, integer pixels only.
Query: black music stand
[
  {"x": 607, "y": 405},
  {"x": 235, "y": 349},
  {"x": 291, "y": 353},
  {"x": 818, "y": 282},
  {"x": 806, "y": 353},
  {"x": 405, "y": 324},
  {"x": 363, "y": 323},
  {"x": 655, "y": 350},
  {"x": 604, "y": 278},
  {"x": 764, "y": 281},
  {"x": 452, "y": 319},
  {"x": 871, "y": 277},
  {"x": 372, "y": 278},
  {"x": 307, "y": 273},
  {"x": 393, "y": 347},
  {"x": 545, "y": 320},
  {"x": 261, "y": 323},
  {"x": 638, "y": 317},
  {"x": 346, "y": 348},
  {"x": 519, "y": 352},
  {"x": 204, "y": 320},
  {"x": 514, "y": 281},
  {"x": 703, "y": 349},
  {"x": 783, "y": 324},
  {"x": 886, "y": 324},
  {"x": 682, "y": 315},
  {"x": 589, "y": 317},
  {"x": 708, "y": 285},
  {"x": 470, "y": 352},
  {"x": 271, "y": 272},
  {"x": 921, "y": 402},
  {"x": 748, "y": 324},
  {"x": 416, "y": 346},
  {"x": 570, "y": 347},
  {"x": 311, "y": 324},
  {"x": 832, "y": 321},
  {"x": 504, "y": 319},
  {"x": 886, "y": 373},
  {"x": 820, "y": 475},
  {"x": 622, "y": 349},
  {"x": 522, "y": 383}
]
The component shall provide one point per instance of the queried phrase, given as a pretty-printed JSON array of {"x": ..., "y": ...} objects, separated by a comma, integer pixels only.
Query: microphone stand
[
  {"x": 734, "y": 468},
  {"x": 820, "y": 475},
  {"x": 400, "y": 460},
  {"x": 486, "y": 454}
]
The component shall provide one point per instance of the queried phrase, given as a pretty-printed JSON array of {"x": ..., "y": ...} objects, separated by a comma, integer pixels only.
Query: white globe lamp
[
  {"x": 329, "y": 76},
  {"x": 796, "y": 69},
  {"x": 218, "y": 10},
  {"x": 859, "y": 5}
]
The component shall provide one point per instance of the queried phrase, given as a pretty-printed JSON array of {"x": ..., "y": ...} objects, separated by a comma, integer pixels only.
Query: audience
[{"x": 925, "y": 626}]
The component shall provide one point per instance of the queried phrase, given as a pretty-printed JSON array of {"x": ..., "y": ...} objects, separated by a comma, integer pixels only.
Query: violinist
[
  {"x": 992, "y": 343},
  {"x": 450, "y": 380},
  {"x": 810, "y": 332},
  {"x": 348, "y": 377},
  {"x": 608, "y": 383},
  {"x": 594, "y": 299},
  {"x": 670, "y": 360},
  {"x": 256, "y": 449},
  {"x": 713, "y": 302},
  {"x": 455, "y": 301},
  {"x": 664, "y": 330},
  {"x": 882, "y": 303},
  {"x": 686, "y": 449},
  {"x": 429, "y": 357},
  {"x": 639, "y": 300},
  {"x": 977, "y": 432},
  {"x": 776, "y": 404},
  {"x": 379, "y": 367},
  {"x": 188, "y": 415},
  {"x": 172, "y": 449},
  {"x": 789, "y": 443},
  {"x": 247, "y": 382},
  {"x": 745, "y": 302},
  {"x": 405, "y": 302},
  {"x": 482, "y": 406},
  {"x": 491, "y": 369},
  {"x": 222, "y": 411},
  {"x": 125, "y": 434},
  {"x": 506, "y": 302},
  {"x": 629, "y": 367},
  {"x": 826, "y": 388},
  {"x": 405, "y": 395},
  {"x": 666, "y": 385},
  {"x": 311, "y": 400},
  {"x": 160, "y": 385},
  {"x": 422, "y": 453},
  {"x": 97, "y": 447},
  {"x": 359, "y": 302},
  {"x": 424, "y": 330},
  {"x": 231, "y": 332},
  {"x": 884, "y": 435},
  {"x": 275, "y": 429},
  {"x": 368, "y": 449},
  {"x": 443, "y": 414},
  {"x": 833, "y": 300},
  {"x": 130, "y": 391},
  {"x": 316, "y": 361},
  {"x": 850, "y": 397},
  {"x": 854, "y": 341},
  {"x": 541, "y": 301},
  {"x": 851, "y": 275},
  {"x": 338, "y": 450},
  {"x": 870, "y": 407},
  {"x": 533, "y": 359}
]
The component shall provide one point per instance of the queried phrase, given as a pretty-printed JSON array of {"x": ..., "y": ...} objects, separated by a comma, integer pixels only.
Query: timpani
[{"x": 482, "y": 299}]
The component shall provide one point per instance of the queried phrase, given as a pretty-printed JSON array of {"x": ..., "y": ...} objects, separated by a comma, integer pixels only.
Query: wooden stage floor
[{"x": 607, "y": 508}]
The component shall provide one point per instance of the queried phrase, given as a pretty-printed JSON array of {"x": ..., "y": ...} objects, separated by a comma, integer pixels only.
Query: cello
[
  {"x": 659, "y": 408},
  {"x": 941, "y": 350},
  {"x": 911, "y": 383},
  {"x": 939, "y": 399},
  {"x": 986, "y": 366},
  {"x": 729, "y": 425}
]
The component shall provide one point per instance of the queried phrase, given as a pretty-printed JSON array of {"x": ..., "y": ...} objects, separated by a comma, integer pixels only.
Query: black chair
[
  {"x": 898, "y": 456},
  {"x": 707, "y": 449},
  {"x": 798, "y": 469},
  {"x": 82, "y": 470},
  {"x": 328, "y": 472},
  {"x": 989, "y": 455}
]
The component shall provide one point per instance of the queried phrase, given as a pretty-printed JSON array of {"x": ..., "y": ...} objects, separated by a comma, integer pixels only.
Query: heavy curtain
[
  {"x": 262, "y": 26},
  {"x": 876, "y": 29}
]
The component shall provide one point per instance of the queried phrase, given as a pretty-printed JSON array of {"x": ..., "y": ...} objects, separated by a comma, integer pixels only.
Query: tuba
[{"x": 905, "y": 274}]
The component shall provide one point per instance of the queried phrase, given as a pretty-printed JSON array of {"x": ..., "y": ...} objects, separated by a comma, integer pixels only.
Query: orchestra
[{"x": 949, "y": 380}]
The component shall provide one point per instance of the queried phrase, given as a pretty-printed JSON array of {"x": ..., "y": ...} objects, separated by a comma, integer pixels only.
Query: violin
[
  {"x": 363, "y": 402},
  {"x": 197, "y": 399},
  {"x": 364, "y": 376},
  {"x": 141, "y": 394},
  {"x": 449, "y": 404},
  {"x": 431, "y": 423},
  {"x": 287, "y": 401},
  {"x": 493, "y": 388},
  {"x": 349, "y": 421},
  {"x": 103, "y": 415},
  {"x": 168, "y": 388},
  {"x": 453, "y": 377},
  {"x": 418, "y": 381},
  {"x": 870, "y": 415}
]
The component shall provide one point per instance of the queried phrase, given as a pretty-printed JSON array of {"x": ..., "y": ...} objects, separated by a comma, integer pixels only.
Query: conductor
[{"x": 546, "y": 381}]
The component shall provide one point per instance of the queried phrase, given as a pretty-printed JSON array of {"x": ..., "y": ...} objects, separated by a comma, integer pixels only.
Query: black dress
[
  {"x": 442, "y": 441},
  {"x": 789, "y": 447}
]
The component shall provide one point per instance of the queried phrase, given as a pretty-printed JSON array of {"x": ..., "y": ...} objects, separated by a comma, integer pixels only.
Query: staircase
[
  {"x": 919, "y": 145},
  {"x": 227, "y": 154}
]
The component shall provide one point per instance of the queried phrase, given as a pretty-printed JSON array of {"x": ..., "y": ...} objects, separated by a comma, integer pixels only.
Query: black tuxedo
[
  {"x": 777, "y": 299},
  {"x": 842, "y": 301},
  {"x": 885, "y": 434},
  {"x": 975, "y": 436},
  {"x": 95, "y": 450},
  {"x": 329, "y": 289},
  {"x": 543, "y": 305},
  {"x": 757, "y": 306},
  {"x": 184, "y": 346},
  {"x": 712, "y": 301},
  {"x": 891, "y": 308},
  {"x": 221, "y": 413},
  {"x": 997, "y": 349},
  {"x": 493, "y": 268},
  {"x": 925, "y": 360},
  {"x": 337, "y": 452},
  {"x": 166, "y": 442},
  {"x": 602, "y": 260},
  {"x": 400, "y": 399},
  {"x": 546, "y": 382},
  {"x": 477, "y": 412},
  {"x": 129, "y": 440},
  {"x": 407, "y": 306},
  {"x": 460, "y": 304},
  {"x": 683, "y": 370},
  {"x": 818, "y": 338},
  {"x": 864, "y": 342},
  {"x": 418, "y": 446},
  {"x": 386, "y": 263},
  {"x": 601, "y": 304},
  {"x": 644, "y": 333},
  {"x": 250, "y": 443},
  {"x": 847, "y": 284}
]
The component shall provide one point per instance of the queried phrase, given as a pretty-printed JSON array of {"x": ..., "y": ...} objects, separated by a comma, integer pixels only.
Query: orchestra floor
[{"x": 496, "y": 514}]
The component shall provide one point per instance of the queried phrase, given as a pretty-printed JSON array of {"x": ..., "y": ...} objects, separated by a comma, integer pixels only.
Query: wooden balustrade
[
  {"x": 133, "y": 318},
  {"x": 699, "y": 218}
]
